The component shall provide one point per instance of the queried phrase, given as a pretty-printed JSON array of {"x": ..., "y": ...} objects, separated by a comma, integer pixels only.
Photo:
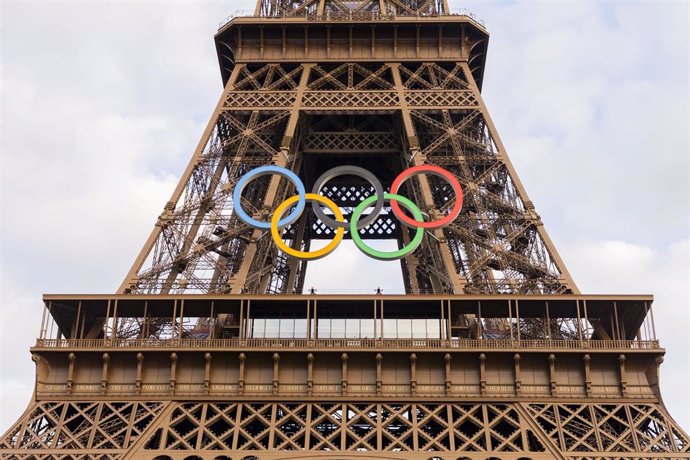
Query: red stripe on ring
[{"x": 437, "y": 171}]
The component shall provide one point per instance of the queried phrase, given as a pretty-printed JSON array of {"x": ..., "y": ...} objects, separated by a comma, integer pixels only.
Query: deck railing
[
  {"x": 351, "y": 16},
  {"x": 370, "y": 344}
]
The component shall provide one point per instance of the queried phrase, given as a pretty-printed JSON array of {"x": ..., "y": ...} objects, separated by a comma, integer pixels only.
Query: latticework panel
[
  {"x": 73, "y": 427},
  {"x": 345, "y": 427},
  {"x": 268, "y": 77},
  {"x": 624, "y": 428},
  {"x": 350, "y": 76},
  {"x": 100, "y": 455},
  {"x": 358, "y": 8},
  {"x": 351, "y": 142},
  {"x": 432, "y": 76},
  {"x": 361, "y": 100},
  {"x": 106, "y": 430}
]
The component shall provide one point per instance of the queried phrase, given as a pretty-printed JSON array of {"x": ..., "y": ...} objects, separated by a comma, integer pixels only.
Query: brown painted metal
[{"x": 492, "y": 354}]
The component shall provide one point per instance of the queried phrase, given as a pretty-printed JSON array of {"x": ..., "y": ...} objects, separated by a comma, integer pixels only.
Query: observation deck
[
  {"x": 349, "y": 345},
  {"x": 247, "y": 37}
]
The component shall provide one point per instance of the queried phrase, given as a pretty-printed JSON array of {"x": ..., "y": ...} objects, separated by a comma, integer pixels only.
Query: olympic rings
[
  {"x": 264, "y": 171},
  {"x": 323, "y": 252},
  {"x": 278, "y": 222},
  {"x": 434, "y": 171},
  {"x": 380, "y": 255},
  {"x": 344, "y": 171}
]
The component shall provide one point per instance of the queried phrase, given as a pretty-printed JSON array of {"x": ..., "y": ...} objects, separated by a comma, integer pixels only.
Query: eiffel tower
[{"x": 211, "y": 350}]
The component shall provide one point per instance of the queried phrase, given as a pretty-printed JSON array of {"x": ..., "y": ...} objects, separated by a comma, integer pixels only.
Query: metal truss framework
[
  {"x": 410, "y": 113},
  {"x": 300, "y": 429},
  {"x": 335, "y": 8}
]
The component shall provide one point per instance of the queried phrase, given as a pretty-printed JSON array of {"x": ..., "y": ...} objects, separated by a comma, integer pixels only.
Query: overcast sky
[{"x": 103, "y": 103}]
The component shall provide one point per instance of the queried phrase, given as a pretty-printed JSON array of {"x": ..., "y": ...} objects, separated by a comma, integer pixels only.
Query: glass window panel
[
  {"x": 338, "y": 328},
  {"x": 287, "y": 328},
  {"x": 300, "y": 328},
  {"x": 367, "y": 328},
  {"x": 418, "y": 328},
  {"x": 352, "y": 328},
  {"x": 404, "y": 328},
  {"x": 272, "y": 328},
  {"x": 324, "y": 330},
  {"x": 258, "y": 328},
  {"x": 390, "y": 328},
  {"x": 433, "y": 328}
]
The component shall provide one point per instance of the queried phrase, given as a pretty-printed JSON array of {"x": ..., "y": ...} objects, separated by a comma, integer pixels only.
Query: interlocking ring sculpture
[{"x": 279, "y": 221}]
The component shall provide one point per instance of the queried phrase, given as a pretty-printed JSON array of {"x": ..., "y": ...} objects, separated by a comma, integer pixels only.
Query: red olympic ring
[{"x": 436, "y": 171}]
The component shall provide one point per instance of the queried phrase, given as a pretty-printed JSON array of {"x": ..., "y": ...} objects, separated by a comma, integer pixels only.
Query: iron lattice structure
[
  {"x": 492, "y": 354},
  {"x": 405, "y": 94}
]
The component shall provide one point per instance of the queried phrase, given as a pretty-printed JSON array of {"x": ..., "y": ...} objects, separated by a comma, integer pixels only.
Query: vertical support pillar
[
  {"x": 343, "y": 376},
  {"x": 207, "y": 373},
  {"x": 517, "y": 316},
  {"x": 146, "y": 327},
  {"x": 413, "y": 374},
  {"x": 518, "y": 379},
  {"x": 240, "y": 381},
  {"x": 615, "y": 329},
  {"x": 510, "y": 319},
  {"x": 106, "y": 336},
  {"x": 181, "y": 328},
  {"x": 480, "y": 328},
  {"x": 548, "y": 321},
  {"x": 140, "y": 368},
  {"x": 623, "y": 377},
  {"x": 173, "y": 372},
  {"x": 447, "y": 358},
  {"x": 310, "y": 374},
  {"x": 115, "y": 320},
  {"x": 71, "y": 358},
  {"x": 588, "y": 377},
  {"x": 579, "y": 321},
  {"x": 276, "y": 373},
  {"x": 242, "y": 323},
  {"x": 482, "y": 374},
  {"x": 650, "y": 311},
  {"x": 587, "y": 333},
  {"x": 75, "y": 325},
  {"x": 104, "y": 373},
  {"x": 552, "y": 374},
  {"x": 379, "y": 374},
  {"x": 449, "y": 321}
]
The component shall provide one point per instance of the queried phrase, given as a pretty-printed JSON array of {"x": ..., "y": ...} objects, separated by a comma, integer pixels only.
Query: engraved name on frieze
[{"x": 255, "y": 387}]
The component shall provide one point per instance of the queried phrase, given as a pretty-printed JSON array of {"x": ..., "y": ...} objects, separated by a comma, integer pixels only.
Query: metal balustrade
[
  {"x": 351, "y": 16},
  {"x": 352, "y": 343}
]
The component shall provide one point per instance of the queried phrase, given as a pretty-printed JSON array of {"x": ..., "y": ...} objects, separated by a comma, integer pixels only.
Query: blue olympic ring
[{"x": 264, "y": 171}]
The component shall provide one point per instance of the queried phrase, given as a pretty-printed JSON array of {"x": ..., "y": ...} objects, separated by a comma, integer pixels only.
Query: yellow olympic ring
[{"x": 313, "y": 255}]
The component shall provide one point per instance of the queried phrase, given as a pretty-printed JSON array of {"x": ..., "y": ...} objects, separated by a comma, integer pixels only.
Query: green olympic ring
[{"x": 382, "y": 255}]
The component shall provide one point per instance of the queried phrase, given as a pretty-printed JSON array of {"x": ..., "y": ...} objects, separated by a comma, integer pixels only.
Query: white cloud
[
  {"x": 103, "y": 103},
  {"x": 619, "y": 267},
  {"x": 347, "y": 270}
]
